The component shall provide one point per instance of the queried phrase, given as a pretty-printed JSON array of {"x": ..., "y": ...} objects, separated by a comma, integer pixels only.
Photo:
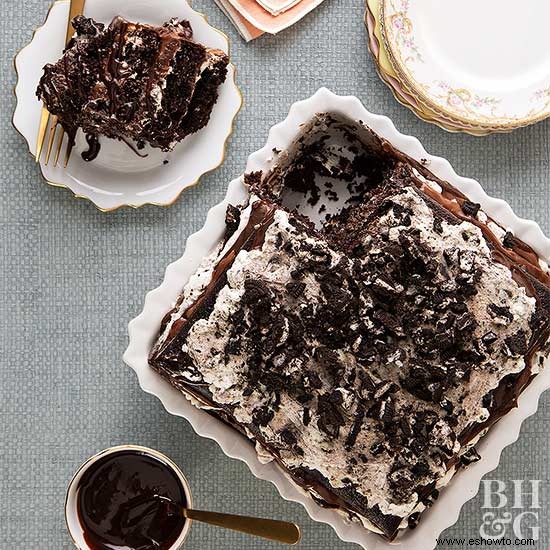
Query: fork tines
[{"x": 51, "y": 121}]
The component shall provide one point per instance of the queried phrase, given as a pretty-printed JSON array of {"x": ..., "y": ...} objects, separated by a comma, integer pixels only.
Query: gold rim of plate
[
  {"x": 410, "y": 86},
  {"x": 130, "y": 205}
]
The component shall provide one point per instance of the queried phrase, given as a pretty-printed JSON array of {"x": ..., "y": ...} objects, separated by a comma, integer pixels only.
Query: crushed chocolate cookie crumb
[
  {"x": 469, "y": 457},
  {"x": 508, "y": 240},
  {"x": 470, "y": 208}
]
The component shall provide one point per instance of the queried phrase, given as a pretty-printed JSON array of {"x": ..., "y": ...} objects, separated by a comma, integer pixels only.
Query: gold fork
[{"x": 76, "y": 8}]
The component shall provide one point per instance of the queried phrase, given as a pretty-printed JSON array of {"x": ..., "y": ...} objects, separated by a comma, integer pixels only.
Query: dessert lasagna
[
  {"x": 369, "y": 350},
  {"x": 131, "y": 81}
]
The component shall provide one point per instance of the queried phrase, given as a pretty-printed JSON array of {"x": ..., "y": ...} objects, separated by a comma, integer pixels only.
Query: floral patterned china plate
[
  {"x": 118, "y": 177},
  {"x": 389, "y": 77},
  {"x": 484, "y": 64}
]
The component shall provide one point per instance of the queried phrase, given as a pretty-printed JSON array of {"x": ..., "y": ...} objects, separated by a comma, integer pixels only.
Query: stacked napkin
[{"x": 252, "y": 18}]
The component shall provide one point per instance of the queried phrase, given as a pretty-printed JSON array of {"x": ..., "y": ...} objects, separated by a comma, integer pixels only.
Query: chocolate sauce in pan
[{"x": 131, "y": 500}]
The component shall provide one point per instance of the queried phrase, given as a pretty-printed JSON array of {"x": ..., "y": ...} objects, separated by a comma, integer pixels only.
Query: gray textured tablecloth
[{"x": 73, "y": 277}]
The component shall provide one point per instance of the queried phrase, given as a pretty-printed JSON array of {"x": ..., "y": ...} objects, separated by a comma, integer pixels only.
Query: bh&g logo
[{"x": 520, "y": 496}]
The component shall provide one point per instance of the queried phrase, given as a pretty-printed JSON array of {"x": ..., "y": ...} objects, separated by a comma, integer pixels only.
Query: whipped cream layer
[{"x": 343, "y": 405}]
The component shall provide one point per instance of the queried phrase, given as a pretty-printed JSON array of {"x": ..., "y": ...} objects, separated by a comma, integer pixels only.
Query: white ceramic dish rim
[
  {"x": 26, "y": 115},
  {"x": 143, "y": 330}
]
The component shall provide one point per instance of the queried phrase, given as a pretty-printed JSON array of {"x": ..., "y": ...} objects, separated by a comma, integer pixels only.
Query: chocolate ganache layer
[
  {"x": 132, "y": 81},
  {"x": 368, "y": 353}
]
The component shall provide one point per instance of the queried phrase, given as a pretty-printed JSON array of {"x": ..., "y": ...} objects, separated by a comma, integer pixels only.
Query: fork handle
[
  {"x": 77, "y": 8},
  {"x": 280, "y": 531}
]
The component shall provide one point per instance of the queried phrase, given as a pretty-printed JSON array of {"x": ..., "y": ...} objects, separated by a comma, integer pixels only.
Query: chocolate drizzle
[{"x": 93, "y": 148}]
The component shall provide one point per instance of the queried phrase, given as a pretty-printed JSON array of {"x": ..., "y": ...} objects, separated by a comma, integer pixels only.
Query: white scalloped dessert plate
[
  {"x": 118, "y": 177},
  {"x": 143, "y": 332}
]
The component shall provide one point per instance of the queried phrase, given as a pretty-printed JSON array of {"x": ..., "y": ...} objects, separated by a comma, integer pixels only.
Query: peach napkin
[
  {"x": 256, "y": 14},
  {"x": 246, "y": 29},
  {"x": 276, "y": 7}
]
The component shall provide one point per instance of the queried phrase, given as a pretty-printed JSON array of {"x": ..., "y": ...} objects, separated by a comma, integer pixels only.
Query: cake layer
[{"x": 205, "y": 96}]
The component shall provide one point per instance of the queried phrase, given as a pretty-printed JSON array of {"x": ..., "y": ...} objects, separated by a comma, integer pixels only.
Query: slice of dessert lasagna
[
  {"x": 369, "y": 355},
  {"x": 132, "y": 81}
]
